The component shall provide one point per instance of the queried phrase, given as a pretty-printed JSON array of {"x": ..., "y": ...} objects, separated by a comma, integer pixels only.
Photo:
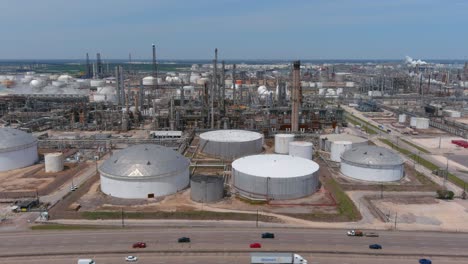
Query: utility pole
[
  {"x": 381, "y": 191},
  {"x": 257, "y": 219},
  {"x": 396, "y": 216},
  {"x": 123, "y": 224}
]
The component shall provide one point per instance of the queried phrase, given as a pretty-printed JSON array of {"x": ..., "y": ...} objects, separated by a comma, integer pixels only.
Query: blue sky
[{"x": 240, "y": 29}]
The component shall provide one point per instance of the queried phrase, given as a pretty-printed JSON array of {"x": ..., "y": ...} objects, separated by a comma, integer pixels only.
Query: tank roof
[
  {"x": 231, "y": 135},
  {"x": 146, "y": 160},
  {"x": 275, "y": 166},
  {"x": 372, "y": 155},
  {"x": 11, "y": 138}
]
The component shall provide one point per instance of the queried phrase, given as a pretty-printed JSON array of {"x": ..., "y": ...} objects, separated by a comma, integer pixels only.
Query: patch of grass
[
  {"x": 429, "y": 165},
  {"x": 186, "y": 215},
  {"x": 423, "y": 179},
  {"x": 346, "y": 206},
  {"x": 423, "y": 150},
  {"x": 67, "y": 227},
  {"x": 364, "y": 124}
]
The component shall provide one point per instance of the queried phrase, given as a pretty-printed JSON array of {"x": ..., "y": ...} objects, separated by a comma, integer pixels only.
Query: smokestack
[
  {"x": 296, "y": 96},
  {"x": 89, "y": 70},
  {"x": 99, "y": 65},
  {"x": 155, "y": 67},
  {"x": 223, "y": 88},
  {"x": 234, "y": 89},
  {"x": 117, "y": 79}
]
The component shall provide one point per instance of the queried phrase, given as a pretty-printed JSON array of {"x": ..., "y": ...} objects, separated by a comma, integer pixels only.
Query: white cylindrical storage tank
[
  {"x": 274, "y": 177},
  {"x": 338, "y": 148},
  {"x": 58, "y": 83},
  {"x": 402, "y": 118},
  {"x": 149, "y": 80},
  {"x": 144, "y": 171},
  {"x": 282, "y": 143},
  {"x": 53, "y": 162},
  {"x": 206, "y": 188},
  {"x": 301, "y": 149},
  {"x": 37, "y": 83},
  {"x": 18, "y": 149},
  {"x": 325, "y": 141},
  {"x": 372, "y": 163},
  {"x": 97, "y": 83},
  {"x": 422, "y": 123},
  {"x": 231, "y": 144},
  {"x": 413, "y": 121}
]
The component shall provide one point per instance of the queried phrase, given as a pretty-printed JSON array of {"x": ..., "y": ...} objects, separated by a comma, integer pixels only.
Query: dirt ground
[
  {"x": 433, "y": 143},
  {"x": 426, "y": 211},
  {"x": 24, "y": 182},
  {"x": 95, "y": 200}
]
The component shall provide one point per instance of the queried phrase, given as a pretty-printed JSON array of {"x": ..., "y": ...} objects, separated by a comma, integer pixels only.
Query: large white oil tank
[
  {"x": 18, "y": 149},
  {"x": 302, "y": 149},
  {"x": 402, "y": 118},
  {"x": 282, "y": 143},
  {"x": 372, "y": 163},
  {"x": 53, "y": 162},
  {"x": 413, "y": 121},
  {"x": 422, "y": 123},
  {"x": 149, "y": 80},
  {"x": 338, "y": 148},
  {"x": 231, "y": 144},
  {"x": 97, "y": 83},
  {"x": 274, "y": 177},
  {"x": 65, "y": 78}
]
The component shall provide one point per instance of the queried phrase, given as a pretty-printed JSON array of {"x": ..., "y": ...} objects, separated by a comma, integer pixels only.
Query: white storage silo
[
  {"x": 301, "y": 149},
  {"x": 402, "y": 118},
  {"x": 274, "y": 176},
  {"x": 338, "y": 148},
  {"x": 231, "y": 143},
  {"x": 18, "y": 149},
  {"x": 372, "y": 163},
  {"x": 422, "y": 123},
  {"x": 325, "y": 141},
  {"x": 97, "y": 83},
  {"x": 282, "y": 143},
  {"x": 413, "y": 121},
  {"x": 149, "y": 80},
  {"x": 144, "y": 171},
  {"x": 53, "y": 162}
]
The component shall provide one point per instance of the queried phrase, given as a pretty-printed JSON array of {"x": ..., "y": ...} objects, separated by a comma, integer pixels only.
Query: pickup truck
[{"x": 355, "y": 233}]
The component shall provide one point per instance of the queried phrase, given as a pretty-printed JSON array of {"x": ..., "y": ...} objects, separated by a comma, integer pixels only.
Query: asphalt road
[
  {"x": 232, "y": 259},
  {"x": 164, "y": 241}
]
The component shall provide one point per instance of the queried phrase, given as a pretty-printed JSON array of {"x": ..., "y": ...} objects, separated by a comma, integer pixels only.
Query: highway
[
  {"x": 232, "y": 259},
  {"x": 163, "y": 242}
]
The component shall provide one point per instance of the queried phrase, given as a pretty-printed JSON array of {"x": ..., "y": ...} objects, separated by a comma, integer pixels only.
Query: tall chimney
[{"x": 296, "y": 95}]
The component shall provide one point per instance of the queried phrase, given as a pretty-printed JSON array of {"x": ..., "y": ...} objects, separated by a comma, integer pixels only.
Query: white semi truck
[
  {"x": 86, "y": 261},
  {"x": 276, "y": 258}
]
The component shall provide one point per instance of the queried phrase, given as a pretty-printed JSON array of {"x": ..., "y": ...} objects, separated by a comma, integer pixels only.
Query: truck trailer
[
  {"x": 276, "y": 258},
  {"x": 86, "y": 261}
]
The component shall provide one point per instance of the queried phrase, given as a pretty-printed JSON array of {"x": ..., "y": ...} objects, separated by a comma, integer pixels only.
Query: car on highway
[
  {"x": 139, "y": 245},
  {"x": 131, "y": 258},
  {"x": 73, "y": 188},
  {"x": 353, "y": 232},
  {"x": 268, "y": 235},
  {"x": 425, "y": 261},
  {"x": 375, "y": 246},
  {"x": 183, "y": 240},
  {"x": 372, "y": 234},
  {"x": 255, "y": 245}
]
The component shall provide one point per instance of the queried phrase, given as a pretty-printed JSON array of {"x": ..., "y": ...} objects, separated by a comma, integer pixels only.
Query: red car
[
  {"x": 255, "y": 245},
  {"x": 139, "y": 245}
]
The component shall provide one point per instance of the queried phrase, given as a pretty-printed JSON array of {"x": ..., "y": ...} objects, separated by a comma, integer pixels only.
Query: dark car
[
  {"x": 139, "y": 245},
  {"x": 375, "y": 246},
  {"x": 372, "y": 234},
  {"x": 255, "y": 245},
  {"x": 425, "y": 261},
  {"x": 268, "y": 235},
  {"x": 184, "y": 240}
]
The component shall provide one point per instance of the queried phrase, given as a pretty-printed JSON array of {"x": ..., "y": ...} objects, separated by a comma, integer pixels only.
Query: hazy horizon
[{"x": 262, "y": 29}]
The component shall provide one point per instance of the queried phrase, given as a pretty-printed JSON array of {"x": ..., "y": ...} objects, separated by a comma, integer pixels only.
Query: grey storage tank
[
  {"x": 206, "y": 188},
  {"x": 231, "y": 144}
]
